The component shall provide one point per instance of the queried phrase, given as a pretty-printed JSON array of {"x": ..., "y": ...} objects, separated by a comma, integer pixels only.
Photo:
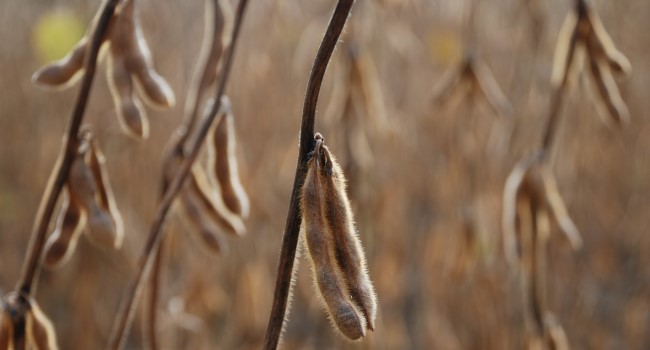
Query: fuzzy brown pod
[
  {"x": 471, "y": 78},
  {"x": 129, "y": 66},
  {"x": 583, "y": 38},
  {"x": 337, "y": 258},
  {"x": 222, "y": 163},
  {"x": 21, "y": 312},
  {"x": 531, "y": 189}
]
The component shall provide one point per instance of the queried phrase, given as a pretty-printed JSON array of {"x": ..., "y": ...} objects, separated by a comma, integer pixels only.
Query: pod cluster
[
  {"x": 17, "y": 312},
  {"x": 88, "y": 203},
  {"x": 212, "y": 200},
  {"x": 332, "y": 244},
  {"x": 530, "y": 198},
  {"x": 129, "y": 66},
  {"x": 583, "y": 40},
  {"x": 471, "y": 78}
]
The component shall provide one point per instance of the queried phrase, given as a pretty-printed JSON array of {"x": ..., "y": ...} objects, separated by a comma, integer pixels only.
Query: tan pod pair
[
  {"x": 583, "y": 38},
  {"x": 331, "y": 241},
  {"x": 88, "y": 203}
]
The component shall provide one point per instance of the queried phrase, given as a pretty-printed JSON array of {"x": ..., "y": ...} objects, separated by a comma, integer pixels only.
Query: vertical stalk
[
  {"x": 127, "y": 308},
  {"x": 61, "y": 169},
  {"x": 294, "y": 218},
  {"x": 151, "y": 312}
]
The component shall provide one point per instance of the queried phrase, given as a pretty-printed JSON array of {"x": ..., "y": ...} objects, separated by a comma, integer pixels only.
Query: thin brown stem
[
  {"x": 62, "y": 167},
  {"x": 127, "y": 309},
  {"x": 292, "y": 226},
  {"x": 550, "y": 128},
  {"x": 154, "y": 293},
  {"x": 211, "y": 54}
]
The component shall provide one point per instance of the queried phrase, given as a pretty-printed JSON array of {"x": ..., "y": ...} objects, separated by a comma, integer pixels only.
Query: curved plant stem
[
  {"x": 127, "y": 309},
  {"x": 151, "y": 315},
  {"x": 211, "y": 53},
  {"x": 61, "y": 169},
  {"x": 552, "y": 120},
  {"x": 292, "y": 226}
]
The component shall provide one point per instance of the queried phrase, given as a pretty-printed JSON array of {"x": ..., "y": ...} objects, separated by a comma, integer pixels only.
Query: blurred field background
[{"x": 421, "y": 167}]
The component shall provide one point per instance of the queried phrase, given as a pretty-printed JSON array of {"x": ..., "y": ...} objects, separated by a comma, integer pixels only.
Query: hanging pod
[
  {"x": 84, "y": 189},
  {"x": 222, "y": 162},
  {"x": 337, "y": 258},
  {"x": 129, "y": 67},
  {"x": 67, "y": 230},
  {"x": 19, "y": 312}
]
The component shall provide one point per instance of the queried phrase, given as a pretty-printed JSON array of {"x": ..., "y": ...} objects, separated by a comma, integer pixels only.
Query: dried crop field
[{"x": 482, "y": 225}]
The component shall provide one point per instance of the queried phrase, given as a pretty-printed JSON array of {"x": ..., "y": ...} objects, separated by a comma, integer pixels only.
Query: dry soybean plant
[
  {"x": 88, "y": 202},
  {"x": 459, "y": 89},
  {"x": 320, "y": 209},
  {"x": 213, "y": 200},
  {"x": 21, "y": 315},
  {"x": 531, "y": 195}
]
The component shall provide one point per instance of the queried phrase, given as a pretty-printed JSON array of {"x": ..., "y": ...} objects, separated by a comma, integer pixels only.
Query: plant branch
[
  {"x": 127, "y": 309},
  {"x": 154, "y": 288},
  {"x": 62, "y": 167},
  {"x": 203, "y": 77},
  {"x": 292, "y": 226}
]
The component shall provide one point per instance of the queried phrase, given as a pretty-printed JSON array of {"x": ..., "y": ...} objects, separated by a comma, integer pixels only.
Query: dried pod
[
  {"x": 327, "y": 275},
  {"x": 490, "y": 90},
  {"x": 106, "y": 199},
  {"x": 130, "y": 112},
  {"x": 83, "y": 189},
  {"x": 474, "y": 77},
  {"x": 553, "y": 201},
  {"x": 213, "y": 203},
  {"x": 222, "y": 162},
  {"x": 583, "y": 34},
  {"x": 337, "y": 259},
  {"x": 564, "y": 51},
  {"x": 365, "y": 85},
  {"x": 129, "y": 61},
  {"x": 348, "y": 250},
  {"x": 511, "y": 217},
  {"x": 202, "y": 206},
  {"x": 63, "y": 73},
  {"x": 196, "y": 215},
  {"x": 39, "y": 329},
  {"x": 601, "y": 43},
  {"x": 610, "y": 103},
  {"x": 212, "y": 47},
  {"x": 68, "y": 228},
  {"x": 532, "y": 188},
  {"x": 22, "y": 312},
  {"x": 6, "y": 330}
]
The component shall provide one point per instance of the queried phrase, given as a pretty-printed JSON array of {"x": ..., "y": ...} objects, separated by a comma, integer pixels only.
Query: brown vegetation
[{"x": 455, "y": 211}]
